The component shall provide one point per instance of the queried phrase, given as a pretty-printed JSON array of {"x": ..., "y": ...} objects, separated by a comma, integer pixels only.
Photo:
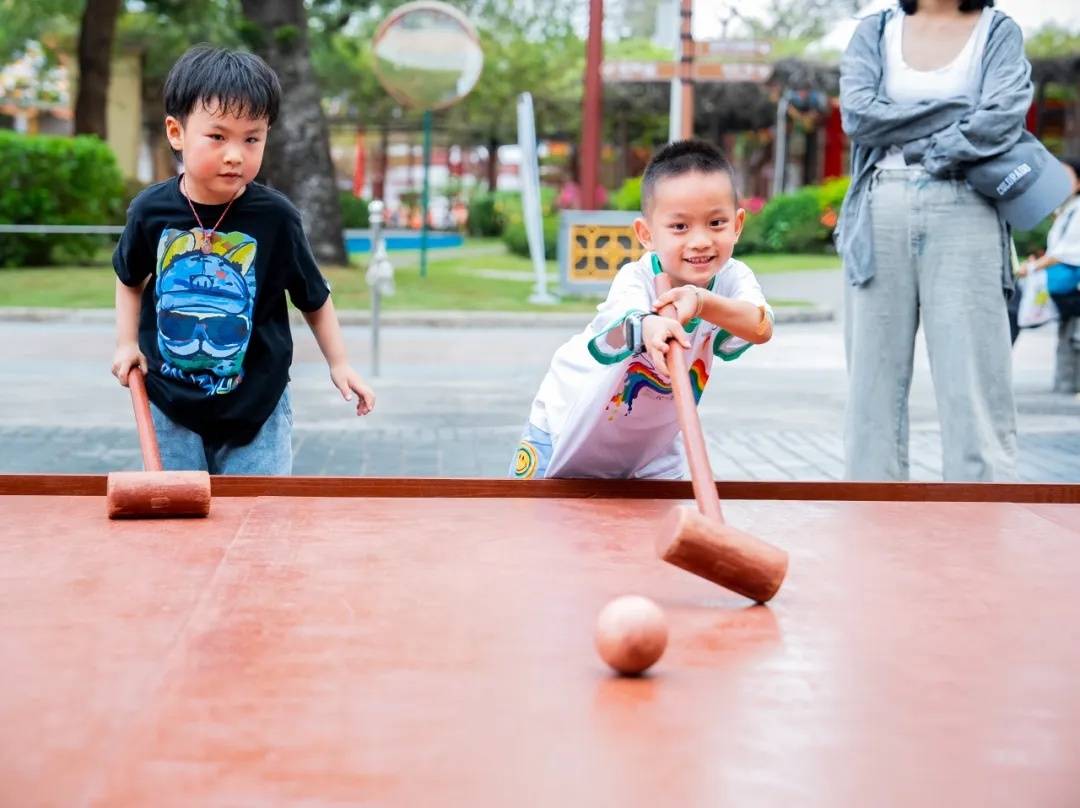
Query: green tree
[
  {"x": 638, "y": 50},
  {"x": 162, "y": 30},
  {"x": 298, "y": 158},
  {"x": 797, "y": 19},
  {"x": 342, "y": 57},
  {"x": 54, "y": 22},
  {"x": 44, "y": 19},
  {"x": 1051, "y": 41},
  {"x": 630, "y": 19},
  {"x": 527, "y": 48},
  {"x": 1053, "y": 51},
  {"x": 96, "y": 32}
]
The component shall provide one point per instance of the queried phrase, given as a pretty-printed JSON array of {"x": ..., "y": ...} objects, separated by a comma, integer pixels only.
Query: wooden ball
[{"x": 631, "y": 634}]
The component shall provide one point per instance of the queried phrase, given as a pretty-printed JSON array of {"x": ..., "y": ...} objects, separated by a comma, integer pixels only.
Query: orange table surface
[{"x": 439, "y": 652}]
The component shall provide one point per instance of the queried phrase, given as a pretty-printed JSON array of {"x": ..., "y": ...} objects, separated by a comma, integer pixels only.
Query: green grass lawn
[{"x": 481, "y": 276}]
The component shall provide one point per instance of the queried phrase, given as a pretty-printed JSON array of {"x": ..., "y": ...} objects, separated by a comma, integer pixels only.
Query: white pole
[
  {"x": 675, "y": 106},
  {"x": 530, "y": 198},
  {"x": 675, "y": 111},
  {"x": 380, "y": 277},
  {"x": 780, "y": 151}
]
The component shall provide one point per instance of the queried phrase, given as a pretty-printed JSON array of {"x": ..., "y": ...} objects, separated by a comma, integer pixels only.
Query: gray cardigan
[{"x": 941, "y": 134}]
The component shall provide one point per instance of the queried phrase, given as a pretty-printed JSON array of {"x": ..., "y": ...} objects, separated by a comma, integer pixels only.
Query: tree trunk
[
  {"x": 163, "y": 162},
  {"x": 95, "y": 60},
  {"x": 297, "y": 160},
  {"x": 493, "y": 163}
]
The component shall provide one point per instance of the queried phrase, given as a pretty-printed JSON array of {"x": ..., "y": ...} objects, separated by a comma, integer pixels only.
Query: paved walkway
[
  {"x": 452, "y": 401},
  {"x": 483, "y": 452}
]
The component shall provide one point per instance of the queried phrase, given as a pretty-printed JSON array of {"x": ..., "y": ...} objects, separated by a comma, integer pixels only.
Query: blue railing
[{"x": 356, "y": 241}]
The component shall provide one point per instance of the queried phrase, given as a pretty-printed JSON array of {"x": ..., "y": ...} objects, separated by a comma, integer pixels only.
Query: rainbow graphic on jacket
[
  {"x": 699, "y": 377},
  {"x": 640, "y": 376}
]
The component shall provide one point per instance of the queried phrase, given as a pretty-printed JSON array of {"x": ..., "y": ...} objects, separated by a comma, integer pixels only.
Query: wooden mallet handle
[
  {"x": 143, "y": 421},
  {"x": 700, "y": 542},
  {"x": 697, "y": 456}
]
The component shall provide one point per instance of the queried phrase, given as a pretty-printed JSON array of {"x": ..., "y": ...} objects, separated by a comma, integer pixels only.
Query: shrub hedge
[
  {"x": 49, "y": 179},
  {"x": 354, "y": 211},
  {"x": 517, "y": 241}
]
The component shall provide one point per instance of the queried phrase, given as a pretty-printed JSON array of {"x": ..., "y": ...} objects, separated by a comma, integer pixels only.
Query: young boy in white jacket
[{"x": 605, "y": 407}]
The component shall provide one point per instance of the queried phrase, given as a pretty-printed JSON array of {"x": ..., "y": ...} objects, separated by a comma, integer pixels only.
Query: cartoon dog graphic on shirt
[{"x": 204, "y": 307}]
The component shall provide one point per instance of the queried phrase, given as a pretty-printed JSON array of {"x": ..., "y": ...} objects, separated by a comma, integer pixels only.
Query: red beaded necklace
[{"x": 208, "y": 235}]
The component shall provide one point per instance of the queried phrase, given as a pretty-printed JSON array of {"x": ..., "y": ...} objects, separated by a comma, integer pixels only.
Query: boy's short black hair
[
  {"x": 911, "y": 6},
  {"x": 683, "y": 157},
  {"x": 240, "y": 83}
]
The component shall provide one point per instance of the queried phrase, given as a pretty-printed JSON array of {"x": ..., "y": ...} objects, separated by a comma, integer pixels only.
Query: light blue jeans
[
  {"x": 270, "y": 452},
  {"x": 532, "y": 456},
  {"x": 937, "y": 255}
]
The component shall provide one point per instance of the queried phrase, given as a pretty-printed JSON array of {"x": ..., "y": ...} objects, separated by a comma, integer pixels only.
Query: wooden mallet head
[
  {"x": 698, "y": 540},
  {"x": 150, "y": 494},
  {"x": 153, "y": 492},
  {"x": 723, "y": 554}
]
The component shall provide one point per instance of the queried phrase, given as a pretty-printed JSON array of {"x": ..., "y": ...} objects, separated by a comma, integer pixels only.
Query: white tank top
[{"x": 905, "y": 85}]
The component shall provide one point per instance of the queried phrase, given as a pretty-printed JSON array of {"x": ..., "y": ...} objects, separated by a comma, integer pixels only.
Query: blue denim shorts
[
  {"x": 270, "y": 452},
  {"x": 532, "y": 456}
]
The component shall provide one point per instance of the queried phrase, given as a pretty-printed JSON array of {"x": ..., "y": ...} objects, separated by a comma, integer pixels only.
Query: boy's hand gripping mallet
[
  {"x": 153, "y": 492},
  {"x": 698, "y": 540}
]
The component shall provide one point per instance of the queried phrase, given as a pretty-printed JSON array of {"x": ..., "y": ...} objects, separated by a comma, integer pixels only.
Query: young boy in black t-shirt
[{"x": 203, "y": 268}]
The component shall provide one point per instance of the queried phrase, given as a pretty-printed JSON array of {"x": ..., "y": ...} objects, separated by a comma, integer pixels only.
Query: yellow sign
[{"x": 593, "y": 247}]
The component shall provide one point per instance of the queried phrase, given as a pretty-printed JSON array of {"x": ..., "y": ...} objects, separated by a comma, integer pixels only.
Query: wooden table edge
[{"x": 420, "y": 487}]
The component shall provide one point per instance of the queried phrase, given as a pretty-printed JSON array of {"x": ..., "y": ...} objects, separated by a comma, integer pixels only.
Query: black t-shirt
[{"x": 215, "y": 326}]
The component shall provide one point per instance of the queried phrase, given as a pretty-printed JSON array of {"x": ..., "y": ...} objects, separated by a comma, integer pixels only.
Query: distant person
[
  {"x": 605, "y": 407},
  {"x": 203, "y": 269},
  {"x": 934, "y": 95},
  {"x": 1061, "y": 263},
  {"x": 459, "y": 214}
]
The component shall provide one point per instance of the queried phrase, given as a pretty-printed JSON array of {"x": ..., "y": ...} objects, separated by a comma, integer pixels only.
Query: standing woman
[{"x": 926, "y": 89}]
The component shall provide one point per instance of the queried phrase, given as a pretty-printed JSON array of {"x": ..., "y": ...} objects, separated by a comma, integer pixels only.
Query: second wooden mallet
[{"x": 153, "y": 492}]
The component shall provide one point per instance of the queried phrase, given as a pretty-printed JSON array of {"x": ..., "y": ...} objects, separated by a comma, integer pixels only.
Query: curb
[{"x": 432, "y": 319}]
